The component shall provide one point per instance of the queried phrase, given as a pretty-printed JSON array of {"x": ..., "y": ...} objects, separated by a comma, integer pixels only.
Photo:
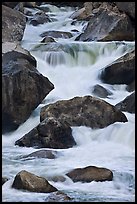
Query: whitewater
[{"x": 74, "y": 70}]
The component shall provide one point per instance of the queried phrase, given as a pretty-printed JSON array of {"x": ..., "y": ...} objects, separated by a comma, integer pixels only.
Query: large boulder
[
  {"x": 83, "y": 111},
  {"x": 121, "y": 72},
  {"x": 13, "y": 24},
  {"x": 23, "y": 88},
  {"x": 25, "y": 180},
  {"x": 50, "y": 133},
  {"x": 128, "y": 104},
  {"x": 90, "y": 173},
  {"x": 108, "y": 25}
]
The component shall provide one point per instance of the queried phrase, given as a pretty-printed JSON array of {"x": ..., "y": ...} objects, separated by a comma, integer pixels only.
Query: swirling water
[{"x": 74, "y": 67}]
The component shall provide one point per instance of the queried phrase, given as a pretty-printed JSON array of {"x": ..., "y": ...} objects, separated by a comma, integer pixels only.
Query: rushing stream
[{"x": 74, "y": 67}]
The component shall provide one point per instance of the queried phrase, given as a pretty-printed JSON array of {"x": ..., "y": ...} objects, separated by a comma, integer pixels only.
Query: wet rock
[
  {"x": 50, "y": 154},
  {"x": 83, "y": 111},
  {"x": 90, "y": 173},
  {"x": 13, "y": 24},
  {"x": 20, "y": 80},
  {"x": 48, "y": 40},
  {"x": 57, "y": 178},
  {"x": 25, "y": 180},
  {"x": 107, "y": 25},
  {"x": 58, "y": 197},
  {"x": 128, "y": 104},
  {"x": 100, "y": 91},
  {"x": 56, "y": 34},
  {"x": 39, "y": 18},
  {"x": 4, "y": 180},
  {"x": 50, "y": 133},
  {"x": 121, "y": 72}
]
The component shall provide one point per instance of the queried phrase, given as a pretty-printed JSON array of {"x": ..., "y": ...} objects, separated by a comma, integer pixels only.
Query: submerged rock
[
  {"x": 56, "y": 34},
  {"x": 25, "y": 180},
  {"x": 86, "y": 111},
  {"x": 90, "y": 173},
  {"x": 50, "y": 154},
  {"x": 50, "y": 133}
]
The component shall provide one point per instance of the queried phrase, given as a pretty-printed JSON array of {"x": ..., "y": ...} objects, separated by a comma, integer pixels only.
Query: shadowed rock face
[
  {"x": 128, "y": 104},
  {"x": 127, "y": 7},
  {"x": 90, "y": 173},
  {"x": 23, "y": 88},
  {"x": 87, "y": 111},
  {"x": 4, "y": 179},
  {"x": 27, "y": 181},
  {"x": 50, "y": 133},
  {"x": 121, "y": 72},
  {"x": 13, "y": 24}
]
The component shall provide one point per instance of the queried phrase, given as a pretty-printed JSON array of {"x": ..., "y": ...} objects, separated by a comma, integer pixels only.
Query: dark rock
[
  {"x": 20, "y": 80},
  {"x": 48, "y": 40},
  {"x": 72, "y": 4},
  {"x": 13, "y": 24},
  {"x": 131, "y": 86},
  {"x": 100, "y": 91},
  {"x": 27, "y": 181},
  {"x": 58, "y": 196},
  {"x": 57, "y": 178},
  {"x": 128, "y": 104},
  {"x": 50, "y": 154},
  {"x": 121, "y": 72},
  {"x": 10, "y": 4},
  {"x": 127, "y": 7},
  {"x": 50, "y": 133},
  {"x": 90, "y": 173},
  {"x": 4, "y": 180},
  {"x": 83, "y": 111},
  {"x": 56, "y": 34},
  {"x": 107, "y": 25},
  {"x": 39, "y": 18}
]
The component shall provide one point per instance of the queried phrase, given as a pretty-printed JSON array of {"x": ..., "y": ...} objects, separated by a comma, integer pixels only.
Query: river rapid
[{"x": 74, "y": 72}]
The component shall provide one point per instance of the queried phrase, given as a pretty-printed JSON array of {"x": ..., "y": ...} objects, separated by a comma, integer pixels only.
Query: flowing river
[{"x": 74, "y": 67}]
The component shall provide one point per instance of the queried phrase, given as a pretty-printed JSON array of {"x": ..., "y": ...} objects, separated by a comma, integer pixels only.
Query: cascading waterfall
[{"x": 74, "y": 68}]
